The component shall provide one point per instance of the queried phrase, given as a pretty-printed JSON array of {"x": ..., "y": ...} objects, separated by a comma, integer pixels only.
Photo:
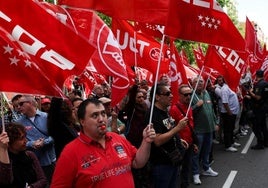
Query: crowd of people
[{"x": 140, "y": 142}]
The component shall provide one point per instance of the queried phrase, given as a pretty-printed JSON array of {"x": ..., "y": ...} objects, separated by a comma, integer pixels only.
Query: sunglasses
[
  {"x": 168, "y": 93},
  {"x": 22, "y": 102},
  {"x": 186, "y": 94}
]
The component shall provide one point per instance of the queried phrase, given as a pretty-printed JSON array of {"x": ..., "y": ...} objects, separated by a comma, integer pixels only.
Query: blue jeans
[
  {"x": 204, "y": 148},
  {"x": 165, "y": 176}
]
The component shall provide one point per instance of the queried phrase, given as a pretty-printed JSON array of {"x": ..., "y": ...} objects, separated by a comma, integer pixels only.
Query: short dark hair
[
  {"x": 81, "y": 112},
  {"x": 259, "y": 73},
  {"x": 16, "y": 97},
  {"x": 220, "y": 76},
  {"x": 159, "y": 88},
  {"x": 183, "y": 86}
]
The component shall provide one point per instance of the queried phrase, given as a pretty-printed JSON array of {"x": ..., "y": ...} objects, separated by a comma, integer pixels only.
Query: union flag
[{"x": 202, "y": 21}]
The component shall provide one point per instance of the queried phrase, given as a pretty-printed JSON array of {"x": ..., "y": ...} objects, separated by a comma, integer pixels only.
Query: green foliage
[
  {"x": 50, "y": 1},
  {"x": 106, "y": 19}
]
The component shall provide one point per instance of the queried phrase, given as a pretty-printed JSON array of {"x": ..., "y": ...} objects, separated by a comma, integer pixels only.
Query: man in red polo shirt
[{"x": 98, "y": 158}]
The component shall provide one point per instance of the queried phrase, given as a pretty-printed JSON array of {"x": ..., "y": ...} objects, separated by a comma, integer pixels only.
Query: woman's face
[
  {"x": 139, "y": 98},
  {"x": 19, "y": 144}
]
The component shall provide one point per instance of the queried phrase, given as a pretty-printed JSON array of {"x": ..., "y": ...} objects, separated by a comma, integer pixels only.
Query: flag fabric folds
[
  {"x": 227, "y": 62},
  {"x": 149, "y": 11},
  {"x": 139, "y": 49},
  {"x": 255, "y": 52},
  {"x": 199, "y": 56},
  {"x": 19, "y": 73},
  {"x": 45, "y": 39},
  {"x": 176, "y": 73},
  {"x": 107, "y": 59},
  {"x": 202, "y": 21}
]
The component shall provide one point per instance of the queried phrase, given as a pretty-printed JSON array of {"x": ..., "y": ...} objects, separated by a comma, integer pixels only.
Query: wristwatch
[{"x": 119, "y": 131}]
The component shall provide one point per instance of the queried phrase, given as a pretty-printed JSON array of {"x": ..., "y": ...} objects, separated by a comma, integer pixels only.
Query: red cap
[{"x": 45, "y": 100}]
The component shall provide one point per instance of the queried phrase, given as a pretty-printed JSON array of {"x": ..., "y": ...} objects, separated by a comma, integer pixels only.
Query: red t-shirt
[
  {"x": 84, "y": 163},
  {"x": 186, "y": 133}
]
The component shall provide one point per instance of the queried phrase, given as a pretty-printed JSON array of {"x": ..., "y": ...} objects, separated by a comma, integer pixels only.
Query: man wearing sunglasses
[
  {"x": 165, "y": 174},
  {"x": 178, "y": 111},
  {"x": 38, "y": 140}
]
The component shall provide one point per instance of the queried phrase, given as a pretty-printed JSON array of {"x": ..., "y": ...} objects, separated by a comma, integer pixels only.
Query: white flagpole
[
  {"x": 193, "y": 94},
  {"x": 156, "y": 78}
]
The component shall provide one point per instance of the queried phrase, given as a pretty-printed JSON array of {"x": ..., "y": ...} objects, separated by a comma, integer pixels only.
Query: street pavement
[{"x": 246, "y": 168}]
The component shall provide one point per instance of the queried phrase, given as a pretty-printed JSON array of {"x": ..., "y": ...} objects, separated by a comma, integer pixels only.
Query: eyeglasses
[
  {"x": 22, "y": 102},
  {"x": 168, "y": 93},
  {"x": 186, "y": 94}
]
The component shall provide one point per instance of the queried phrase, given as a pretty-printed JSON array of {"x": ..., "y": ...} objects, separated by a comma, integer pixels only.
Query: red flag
[
  {"x": 177, "y": 72},
  {"x": 183, "y": 57},
  {"x": 227, "y": 62},
  {"x": 45, "y": 39},
  {"x": 19, "y": 73},
  {"x": 149, "y": 29},
  {"x": 147, "y": 49},
  {"x": 199, "y": 56},
  {"x": 202, "y": 21},
  {"x": 252, "y": 42},
  {"x": 107, "y": 60},
  {"x": 144, "y": 74},
  {"x": 265, "y": 52},
  {"x": 250, "y": 36},
  {"x": 88, "y": 81},
  {"x": 149, "y": 11},
  {"x": 191, "y": 72},
  {"x": 256, "y": 54}
]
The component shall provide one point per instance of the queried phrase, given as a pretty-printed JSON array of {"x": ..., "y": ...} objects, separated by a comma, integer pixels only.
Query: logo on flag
[{"x": 209, "y": 22}]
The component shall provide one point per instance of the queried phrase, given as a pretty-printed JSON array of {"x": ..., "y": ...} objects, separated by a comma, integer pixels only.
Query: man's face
[
  {"x": 24, "y": 105},
  {"x": 95, "y": 121},
  {"x": 220, "y": 81},
  {"x": 200, "y": 85},
  {"x": 45, "y": 107},
  {"x": 185, "y": 95},
  {"x": 99, "y": 91},
  {"x": 165, "y": 97}
]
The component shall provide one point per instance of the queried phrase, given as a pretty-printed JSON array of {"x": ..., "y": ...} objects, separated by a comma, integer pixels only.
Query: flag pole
[
  {"x": 156, "y": 78},
  {"x": 193, "y": 94},
  {"x": 206, "y": 84},
  {"x": 2, "y": 112}
]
